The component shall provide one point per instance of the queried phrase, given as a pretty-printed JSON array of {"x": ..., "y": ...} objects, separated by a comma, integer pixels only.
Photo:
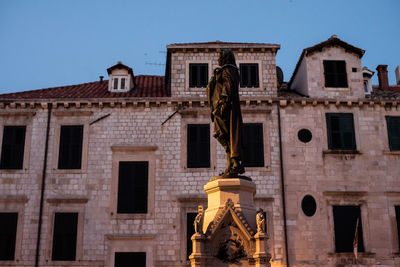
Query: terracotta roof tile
[{"x": 147, "y": 86}]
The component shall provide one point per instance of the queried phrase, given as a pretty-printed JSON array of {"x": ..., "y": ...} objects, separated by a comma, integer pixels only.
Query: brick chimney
[
  {"x": 397, "y": 71},
  {"x": 383, "y": 76}
]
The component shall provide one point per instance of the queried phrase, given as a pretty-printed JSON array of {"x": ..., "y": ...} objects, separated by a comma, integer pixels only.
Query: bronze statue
[
  {"x": 198, "y": 221},
  {"x": 223, "y": 97}
]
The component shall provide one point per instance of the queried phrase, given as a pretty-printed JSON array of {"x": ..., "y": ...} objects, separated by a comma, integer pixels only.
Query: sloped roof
[
  {"x": 147, "y": 86},
  {"x": 332, "y": 41},
  {"x": 119, "y": 65}
]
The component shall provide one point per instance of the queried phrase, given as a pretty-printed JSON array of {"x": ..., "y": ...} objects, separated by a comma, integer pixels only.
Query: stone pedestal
[{"x": 230, "y": 229}]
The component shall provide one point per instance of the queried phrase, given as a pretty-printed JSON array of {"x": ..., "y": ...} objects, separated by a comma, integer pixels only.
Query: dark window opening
[
  {"x": 128, "y": 259},
  {"x": 304, "y": 135},
  {"x": 198, "y": 75},
  {"x": 8, "y": 233},
  {"x": 393, "y": 128},
  {"x": 397, "y": 210},
  {"x": 345, "y": 221},
  {"x": 70, "y": 152},
  {"x": 198, "y": 145},
  {"x": 115, "y": 83},
  {"x": 12, "y": 149},
  {"x": 249, "y": 75},
  {"x": 253, "y": 145},
  {"x": 132, "y": 186},
  {"x": 64, "y": 236},
  {"x": 340, "y": 131},
  {"x": 122, "y": 83},
  {"x": 366, "y": 86},
  {"x": 354, "y": 69},
  {"x": 190, "y": 216},
  {"x": 335, "y": 73},
  {"x": 308, "y": 205}
]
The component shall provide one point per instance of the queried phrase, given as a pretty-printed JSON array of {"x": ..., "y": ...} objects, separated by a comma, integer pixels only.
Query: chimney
[
  {"x": 382, "y": 76},
  {"x": 101, "y": 78},
  {"x": 397, "y": 71}
]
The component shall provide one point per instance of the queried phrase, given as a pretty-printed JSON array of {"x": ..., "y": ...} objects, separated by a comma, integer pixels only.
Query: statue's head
[{"x": 226, "y": 56}]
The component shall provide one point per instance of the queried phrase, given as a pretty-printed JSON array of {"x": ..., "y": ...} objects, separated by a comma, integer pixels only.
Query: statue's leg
[{"x": 237, "y": 166}]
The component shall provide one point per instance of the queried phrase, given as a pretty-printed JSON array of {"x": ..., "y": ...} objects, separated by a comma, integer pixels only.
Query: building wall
[
  {"x": 180, "y": 72},
  {"x": 368, "y": 179}
]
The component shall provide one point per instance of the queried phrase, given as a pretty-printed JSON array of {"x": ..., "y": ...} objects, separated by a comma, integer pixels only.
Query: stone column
[
  {"x": 197, "y": 258},
  {"x": 261, "y": 256}
]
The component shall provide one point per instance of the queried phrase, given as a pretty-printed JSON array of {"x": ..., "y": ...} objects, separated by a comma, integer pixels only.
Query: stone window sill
[
  {"x": 131, "y": 216},
  {"x": 391, "y": 152},
  {"x": 351, "y": 255},
  {"x": 341, "y": 152}
]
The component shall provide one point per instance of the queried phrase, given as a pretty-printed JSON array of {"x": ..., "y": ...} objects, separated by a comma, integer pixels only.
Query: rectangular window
[
  {"x": 122, "y": 83},
  {"x": 115, "y": 83},
  {"x": 190, "y": 216},
  {"x": 340, "y": 128},
  {"x": 8, "y": 233},
  {"x": 128, "y": 259},
  {"x": 70, "y": 151},
  {"x": 64, "y": 236},
  {"x": 12, "y": 150},
  {"x": 132, "y": 186},
  {"x": 198, "y": 145},
  {"x": 345, "y": 221},
  {"x": 253, "y": 145},
  {"x": 335, "y": 73},
  {"x": 393, "y": 128},
  {"x": 249, "y": 75},
  {"x": 198, "y": 75},
  {"x": 397, "y": 209}
]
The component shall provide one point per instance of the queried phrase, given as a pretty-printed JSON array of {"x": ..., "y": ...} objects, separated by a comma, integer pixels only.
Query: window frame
[
  {"x": 53, "y": 239},
  {"x": 329, "y": 132},
  {"x": 133, "y": 153},
  {"x": 325, "y": 81},
  {"x": 260, "y": 75},
  {"x": 197, "y": 116},
  {"x": 343, "y": 198},
  {"x": 200, "y": 90},
  {"x": 18, "y": 119},
  {"x": 66, "y": 204},
  {"x": 70, "y": 118},
  {"x": 60, "y": 143},
  {"x": 15, "y": 204}
]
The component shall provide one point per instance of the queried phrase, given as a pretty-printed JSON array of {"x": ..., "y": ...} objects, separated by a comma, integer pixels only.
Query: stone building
[{"x": 112, "y": 171}]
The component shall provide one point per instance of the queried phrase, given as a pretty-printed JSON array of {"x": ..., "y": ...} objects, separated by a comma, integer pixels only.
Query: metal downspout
[
  {"x": 43, "y": 185},
  {"x": 283, "y": 185}
]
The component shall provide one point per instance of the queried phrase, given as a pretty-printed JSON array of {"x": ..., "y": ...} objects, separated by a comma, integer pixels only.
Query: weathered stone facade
[{"x": 155, "y": 130}]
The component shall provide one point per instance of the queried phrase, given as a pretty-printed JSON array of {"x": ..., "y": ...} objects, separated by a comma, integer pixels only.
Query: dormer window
[
  {"x": 121, "y": 78},
  {"x": 119, "y": 82},
  {"x": 335, "y": 73}
]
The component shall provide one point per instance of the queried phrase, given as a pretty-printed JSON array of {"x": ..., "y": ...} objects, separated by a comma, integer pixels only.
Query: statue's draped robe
[{"x": 223, "y": 97}]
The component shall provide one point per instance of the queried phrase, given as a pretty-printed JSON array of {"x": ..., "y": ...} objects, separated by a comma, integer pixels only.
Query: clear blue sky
[{"x": 54, "y": 43}]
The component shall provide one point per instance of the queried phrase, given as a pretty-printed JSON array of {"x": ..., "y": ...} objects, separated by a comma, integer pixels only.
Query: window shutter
[
  {"x": 335, "y": 73},
  {"x": 115, "y": 83},
  {"x": 198, "y": 74},
  {"x": 124, "y": 259},
  {"x": 249, "y": 75},
  {"x": 132, "y": 187},
  {"x": 253, "y": 145},
  {"x": 393, "y": 128},
  {"x": 64, "y": 236},
  {"x": 8, "y": 233},
  {"x": 345, "y": 220},
  {"x": 70, "y": 150},
  {"x": 198, "y": 145},
  {"x": 12, "y": 152},
  {"x": 340, "y": 133}
]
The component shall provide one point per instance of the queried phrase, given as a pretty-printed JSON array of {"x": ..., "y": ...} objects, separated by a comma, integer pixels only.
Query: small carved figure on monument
[
  {"x": 198, "y": 221},
  {"x": 223, "y": 98},
  {"x": 260, "y": 221}
]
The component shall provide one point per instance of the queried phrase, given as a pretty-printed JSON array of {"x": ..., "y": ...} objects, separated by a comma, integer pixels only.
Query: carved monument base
[{"x": 230, "y": 236}]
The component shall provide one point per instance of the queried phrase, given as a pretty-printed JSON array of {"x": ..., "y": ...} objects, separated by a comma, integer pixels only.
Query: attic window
[
  {"x": 119, "y": 83},
  {"x": 335, "y": 73}
]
